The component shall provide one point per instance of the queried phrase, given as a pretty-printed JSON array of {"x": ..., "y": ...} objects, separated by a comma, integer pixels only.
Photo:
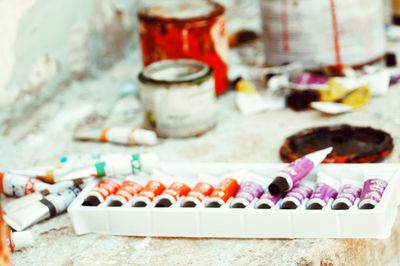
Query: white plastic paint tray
[{"x": 226, "y": 222}]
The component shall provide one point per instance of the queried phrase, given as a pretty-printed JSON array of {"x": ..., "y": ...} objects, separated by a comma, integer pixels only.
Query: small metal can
[
  {"x": 178, "y": 97},
  {"x": 192, "y": 29}
]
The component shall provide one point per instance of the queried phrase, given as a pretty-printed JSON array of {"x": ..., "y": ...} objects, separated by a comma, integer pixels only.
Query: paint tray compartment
[{"x": 225, "y": 222}]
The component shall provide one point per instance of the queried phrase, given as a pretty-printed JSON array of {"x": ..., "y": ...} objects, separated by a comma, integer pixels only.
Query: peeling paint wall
[{"x": 45, "y": 44}]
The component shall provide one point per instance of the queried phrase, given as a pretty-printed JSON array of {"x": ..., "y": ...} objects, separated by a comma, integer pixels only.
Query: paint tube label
[
  {"x": 300, "y": 192},
  {"x": 249, "y": 191},
  {"x": 120, "y": 165},
  {"x": 177, "y": 190},
  {"x": 129, "y": 189},
  {"x": 298, "y": 169},
  {"x": 373, "y": 190},
  {"x": 201, "y": 190},
  {"x": 84, "y": 159},
  {"x": 268, "y": 196},
  {"x": 105, "y": 188},
  {"x": 18, "y": 185},
  {"x": 152, "y": 189},
  {"x": 350, "y": 193},
  {"x": 116, "y": 134},
  {"x": 58, "y": 203},
  {"x": 324, "y": 192},
  {"x": 226, "y": 189}
]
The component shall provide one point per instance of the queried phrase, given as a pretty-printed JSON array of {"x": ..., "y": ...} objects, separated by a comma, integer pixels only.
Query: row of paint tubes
[{"x": 239, "y": 190}]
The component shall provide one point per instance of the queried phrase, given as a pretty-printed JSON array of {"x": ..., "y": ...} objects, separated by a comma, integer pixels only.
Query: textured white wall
[{"x": 45, "y": 42}]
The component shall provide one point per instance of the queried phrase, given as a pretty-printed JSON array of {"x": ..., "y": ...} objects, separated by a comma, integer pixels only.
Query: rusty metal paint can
[
  {"x": 190, "y": 29},
  {"x": 178, "y": 97}
]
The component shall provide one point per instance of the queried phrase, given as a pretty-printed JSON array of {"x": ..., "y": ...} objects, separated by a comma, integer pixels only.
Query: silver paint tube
[
  {"x": 16, "y": 204},
  {"x": 50, "y": 206}
]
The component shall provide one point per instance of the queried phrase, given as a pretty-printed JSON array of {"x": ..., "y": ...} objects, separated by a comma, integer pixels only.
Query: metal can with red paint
[{"x": 176, "y": 29}]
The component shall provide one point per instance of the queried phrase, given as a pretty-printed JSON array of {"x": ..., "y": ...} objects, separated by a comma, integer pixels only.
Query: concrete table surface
[{"x": 47, "y": 134}]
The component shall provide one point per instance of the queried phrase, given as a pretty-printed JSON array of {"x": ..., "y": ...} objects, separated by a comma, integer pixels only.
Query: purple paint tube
[
  {"x": 373, "y": 189},
  {"x": 296, "y": 171},
  {"x": 326, "y": 189},
  {"x": 298, "y": 195},
  {"x": 251, "y": 188},
  {"x": 347, "y": 195},
  {"x": 267, "y": 201}
]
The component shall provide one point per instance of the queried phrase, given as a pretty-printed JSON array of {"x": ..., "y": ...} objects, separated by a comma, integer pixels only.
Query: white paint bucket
[{"x": 323, "y": 32}]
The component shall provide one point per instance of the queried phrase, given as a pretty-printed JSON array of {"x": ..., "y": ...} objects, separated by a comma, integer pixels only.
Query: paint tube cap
[
  {"x": 278, "y": 186},
  {"x": 149, "y": 161},
  {"x": 22, "y": 239},
  {"x": 391, "y": 60},
  {"x": 145, "y": 137}
]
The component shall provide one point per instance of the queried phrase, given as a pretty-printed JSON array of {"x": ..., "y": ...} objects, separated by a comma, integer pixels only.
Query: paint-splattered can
[
  {"x": 178, "y": 97},
  {"x": 193, "y": 29}
]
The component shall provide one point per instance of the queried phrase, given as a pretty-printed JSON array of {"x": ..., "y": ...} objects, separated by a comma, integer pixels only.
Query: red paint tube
[
  {"x": 130, "y": 187},
  {"x": 104, "y": 189},
  {"x": 226, "y": 189},
  {"x": 172, "y": 194},
  {"x": 155, "y": 187},
  {"x": 203, "y": 189}
]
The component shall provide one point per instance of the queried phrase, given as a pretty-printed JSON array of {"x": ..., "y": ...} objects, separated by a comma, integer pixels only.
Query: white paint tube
[
  {"x": 116, "y": 166},
  {"x": 66, "y": 165},
  {"x": 50, "y": 206},
  {"x": 19, "y": 240},
  {"x": 18, "y": 185},
  {"x": 119, "y": 135},
  {"x": 16, "y": 204}
]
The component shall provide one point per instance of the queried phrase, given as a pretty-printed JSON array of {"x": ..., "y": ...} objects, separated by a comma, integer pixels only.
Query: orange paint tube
[
  {"x": 203, "y": 189},
  {"x": 172, "y": 194},
  {"x": 155, "y": 187},
  {"x": 5, "y": 258},
  {"x": 104, "y": 189},
  {"x": 226, "y": 189},
  {"x": 130, "y": 187}
]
